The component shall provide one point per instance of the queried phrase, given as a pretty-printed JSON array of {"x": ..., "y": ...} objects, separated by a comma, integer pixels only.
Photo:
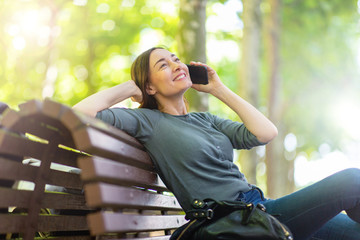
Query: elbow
[
  {"x": 86, "y": 111},
  {"x": 269, "y": 136},
  {"x": 275, "y": 132}
]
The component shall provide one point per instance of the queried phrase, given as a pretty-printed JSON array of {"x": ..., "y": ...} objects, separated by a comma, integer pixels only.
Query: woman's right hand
[
  {"x": 109, "y": 97},
  {"x": 137, "y": 94}
]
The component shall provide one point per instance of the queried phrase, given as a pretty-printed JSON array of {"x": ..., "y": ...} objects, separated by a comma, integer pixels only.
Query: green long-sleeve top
[{"x": 192, "y": 153}]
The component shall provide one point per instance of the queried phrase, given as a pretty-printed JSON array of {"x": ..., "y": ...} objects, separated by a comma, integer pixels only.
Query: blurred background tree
[
  {"x": 296, "y": 60},
  {"x": 192, "y": 43},
  {"x": 249, "y": 74}
]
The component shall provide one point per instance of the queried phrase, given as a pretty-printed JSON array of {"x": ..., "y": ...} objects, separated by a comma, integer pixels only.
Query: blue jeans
[{"x": 314, "y": 212}]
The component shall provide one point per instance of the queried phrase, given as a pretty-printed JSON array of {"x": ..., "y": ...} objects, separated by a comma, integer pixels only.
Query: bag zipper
[
  {"x": 286, "y": 232},
  {"x": 182, "y": 233}
]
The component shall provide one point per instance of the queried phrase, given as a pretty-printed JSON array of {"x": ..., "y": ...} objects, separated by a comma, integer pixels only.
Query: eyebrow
[{"x": 163, "y": 59}]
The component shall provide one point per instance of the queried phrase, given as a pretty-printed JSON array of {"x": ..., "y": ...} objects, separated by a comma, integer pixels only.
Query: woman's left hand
[{"x": 214, "y": 80}]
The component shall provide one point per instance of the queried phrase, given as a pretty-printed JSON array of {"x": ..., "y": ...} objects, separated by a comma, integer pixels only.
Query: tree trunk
[
  {"x": 192, "y": 43},
  {"x": 249, "y": 74},
  {"x": 278, "y": 177}
]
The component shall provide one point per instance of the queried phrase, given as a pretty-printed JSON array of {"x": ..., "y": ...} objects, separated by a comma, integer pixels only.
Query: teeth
[{"x": 179, "y": 77}]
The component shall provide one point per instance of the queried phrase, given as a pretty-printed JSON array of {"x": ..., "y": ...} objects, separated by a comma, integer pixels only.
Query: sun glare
[
  {"x": 347, "y": 114},
  {"x": 19, "y": 43},
  {"x": 29, "y": 25}
]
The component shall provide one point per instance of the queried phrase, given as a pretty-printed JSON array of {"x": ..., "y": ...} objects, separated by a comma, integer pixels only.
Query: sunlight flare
[
  {"x": 347, "y": 114},
  {"x": 28, "y": 26}
]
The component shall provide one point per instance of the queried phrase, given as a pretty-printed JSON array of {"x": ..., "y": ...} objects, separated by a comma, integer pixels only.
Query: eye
[
  {"x": 177, "y": 60},
  {"x": 163, "y": 65}
]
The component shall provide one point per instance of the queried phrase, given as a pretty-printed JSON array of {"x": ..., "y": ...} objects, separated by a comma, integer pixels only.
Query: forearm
[
  {"x": 105, "y": 99},
  {"x": 253, "y": 119}
]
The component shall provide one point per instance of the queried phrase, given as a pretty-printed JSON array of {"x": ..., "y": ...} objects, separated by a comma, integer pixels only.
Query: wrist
[
  {"x": 134, "y": 91},
  {"x": 128, "y": 87},
  {"x": 220, "y": 91}
]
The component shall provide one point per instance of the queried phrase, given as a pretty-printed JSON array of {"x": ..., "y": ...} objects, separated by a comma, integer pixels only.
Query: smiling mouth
[{"x": 181, "y": 76}]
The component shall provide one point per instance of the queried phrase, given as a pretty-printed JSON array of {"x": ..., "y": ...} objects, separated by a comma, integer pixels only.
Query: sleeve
[
  {"x": 138, "y": 123},
  {"x": 239, "y": 135}
]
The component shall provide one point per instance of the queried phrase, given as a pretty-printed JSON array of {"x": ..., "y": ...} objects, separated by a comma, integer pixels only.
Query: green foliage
[
  {"x": 319, "y": 67},
  {"x": 68, "y": 49}
]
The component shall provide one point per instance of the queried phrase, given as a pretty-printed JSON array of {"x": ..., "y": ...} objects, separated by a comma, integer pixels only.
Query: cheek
[
  {"x": 159, "y": 82},
  {"x": 163, "y": 78},
  {"x": 155, "y": 79}
]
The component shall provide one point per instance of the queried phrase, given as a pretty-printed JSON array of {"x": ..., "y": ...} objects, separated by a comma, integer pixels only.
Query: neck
[{"x": 174, "y": 107}]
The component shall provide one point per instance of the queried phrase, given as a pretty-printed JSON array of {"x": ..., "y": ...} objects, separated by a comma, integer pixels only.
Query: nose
[{"x": 175, "y": 66}]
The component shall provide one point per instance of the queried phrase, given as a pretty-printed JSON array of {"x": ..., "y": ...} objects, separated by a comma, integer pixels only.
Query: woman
[{"x": 193, "y": 152}]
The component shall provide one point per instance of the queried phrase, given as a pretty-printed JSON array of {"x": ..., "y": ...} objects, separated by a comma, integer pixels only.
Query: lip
[{"x": 184, "y": 76}]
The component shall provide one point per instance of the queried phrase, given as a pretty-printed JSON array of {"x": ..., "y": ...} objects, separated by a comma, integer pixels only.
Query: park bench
[{"x": 124, "y": 198}]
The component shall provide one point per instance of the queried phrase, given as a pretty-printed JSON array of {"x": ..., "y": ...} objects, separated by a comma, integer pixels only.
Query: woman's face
[{"x": 169, "y": 77}]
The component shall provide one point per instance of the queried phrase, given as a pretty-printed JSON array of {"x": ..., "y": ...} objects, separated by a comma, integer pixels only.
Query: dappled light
[
  {"x": 310, "y": 171},
  {"x": 66, "y": 50},
  {"x": 30, "y": 26},
  {"x": 346, "y": 114}
]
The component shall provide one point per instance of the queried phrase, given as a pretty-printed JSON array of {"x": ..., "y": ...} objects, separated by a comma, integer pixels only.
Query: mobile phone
[{"x": 198, "y": 74}]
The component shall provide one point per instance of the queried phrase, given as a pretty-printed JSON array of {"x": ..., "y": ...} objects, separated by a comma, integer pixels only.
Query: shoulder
[
  {"x": 139, "y": 122},
  {"x": 133, "y": 111},
  {"x": 145, "y": 112},
  {"x": 115, "y": 115},
  {"x": 141, "y": 113}
]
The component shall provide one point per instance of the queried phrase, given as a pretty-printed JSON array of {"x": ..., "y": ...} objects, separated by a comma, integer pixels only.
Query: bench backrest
[
  {"x": 120, "y": 182},
  {"x": 40, "y": 186}
]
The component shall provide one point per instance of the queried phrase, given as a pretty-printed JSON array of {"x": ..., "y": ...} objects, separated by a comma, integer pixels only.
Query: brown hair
[{"x": 140, "y": 72}]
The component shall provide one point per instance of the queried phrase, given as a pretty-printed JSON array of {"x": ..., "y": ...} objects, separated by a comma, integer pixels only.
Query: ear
[{"x": 150, "y": 89}]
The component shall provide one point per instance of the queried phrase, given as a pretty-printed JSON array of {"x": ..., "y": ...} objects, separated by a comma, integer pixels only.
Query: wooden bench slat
[
  {"x": 75, "y": 120},
  {"x": 69, "y": 238},
  {"x": 65, "y": 179},
  {"x": 9, "y": 118},
  {"x": 11, "y": 170},
  {"x": 16, "y": 223},
  {"x": 43, "y": 118},
  {"x": 94, "y": 141},
  {"x": 12, "y": 223},
  {"x": 11, "y": 143},
  {"x": 66, "y": 157},
  {"x": 34, "y": 122},
  {"x": 13, "y": 197},
  {"x": 62, "y": 223},
  {"x": 166, "y": 237},
  {"x": 118, "y": 174},
  {"x": 149, "y": 238},
  {"x": 100, "y": 169},
  {"x": 30, "y": 107},
  {"x": 49, "y": 118},
  {"x": 64, "y": 201},
  {"x": 21, "y": 199},
  {"x": 104, "y": 222},
  {"x": 106, "y": 195}
]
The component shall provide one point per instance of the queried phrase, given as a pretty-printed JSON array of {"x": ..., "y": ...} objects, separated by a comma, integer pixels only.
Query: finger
[{"x": 197, "y": 63}]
